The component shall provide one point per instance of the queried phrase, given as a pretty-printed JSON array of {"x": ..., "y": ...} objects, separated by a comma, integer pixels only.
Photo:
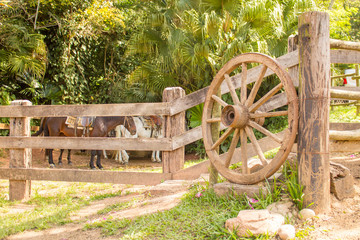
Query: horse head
[{"x": 130, "y": 125}]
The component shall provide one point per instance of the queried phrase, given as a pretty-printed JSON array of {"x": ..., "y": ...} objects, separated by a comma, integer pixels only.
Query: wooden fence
[{"x": 173, "y": 108}]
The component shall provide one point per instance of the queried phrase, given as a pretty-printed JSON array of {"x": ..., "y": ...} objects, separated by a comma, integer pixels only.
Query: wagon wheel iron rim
[{"x": 247, "y": 113}]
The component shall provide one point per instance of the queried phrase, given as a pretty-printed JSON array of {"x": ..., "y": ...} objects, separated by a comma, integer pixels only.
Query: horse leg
[
  {"x": 119, "y": 157},
  {"x": 98, "y": 160},
  {"x": 93, "y": 152},
  {"x": 153, "y": 159},
  {"x": 50, "y": 155},
  {"x": 105, "y": 155},
  {"x": 158, "y": 159},
  {"x": 60, "y": 157},
  {"x": 69, "y": 157},
  {"x": 125, "y": 156}
]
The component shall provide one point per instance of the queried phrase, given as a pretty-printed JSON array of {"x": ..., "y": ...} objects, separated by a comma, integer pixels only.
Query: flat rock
[
  {"x": 341, "y": 181},
  {"x": 285, "y": 208},
  {"x": 225, "y": 188},
  {"x": 255, "y": 222}
]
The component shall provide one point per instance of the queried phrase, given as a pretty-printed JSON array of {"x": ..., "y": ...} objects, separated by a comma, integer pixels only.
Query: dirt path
[{"x": 142, "y": 204}]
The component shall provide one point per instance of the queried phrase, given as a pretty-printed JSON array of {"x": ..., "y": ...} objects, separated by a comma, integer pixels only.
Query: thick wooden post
[
  {"x": 314, "y": 99},
  {"x": 173, "y": 161},
  {"x": 20, "y": 158}
]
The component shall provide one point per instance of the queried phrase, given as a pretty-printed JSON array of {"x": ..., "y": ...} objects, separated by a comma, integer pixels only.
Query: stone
[
  {"x": 352, "y": 164},
  {"x": 255, "y": 222},
  {"x": 225, "y": 188},
  {"x": 286, "y": 231},
  {"x": 306, "y": 213},
  {"x": 341, "y": 181},
  {"x": 285, "y": 208}
]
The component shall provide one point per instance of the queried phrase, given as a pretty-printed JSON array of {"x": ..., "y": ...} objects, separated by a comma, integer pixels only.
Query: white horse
[{"x": 150, "y": 127}]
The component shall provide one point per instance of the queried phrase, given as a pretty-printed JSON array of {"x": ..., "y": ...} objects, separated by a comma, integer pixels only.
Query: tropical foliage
[{"x": 184, "y": 43}]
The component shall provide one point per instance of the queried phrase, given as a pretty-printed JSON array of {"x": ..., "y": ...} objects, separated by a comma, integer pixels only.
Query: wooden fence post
[
  {"x": 20, "y": 158},
  {"x": 173, "y": 161},
  {"x": 314, "y": 99}
]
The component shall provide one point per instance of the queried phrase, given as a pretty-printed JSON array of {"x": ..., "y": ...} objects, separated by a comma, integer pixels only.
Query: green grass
[
  {"x": 51, "y": 204},
  {"x": 200, "y": 215},
  {"x": 344, "y": 114}
]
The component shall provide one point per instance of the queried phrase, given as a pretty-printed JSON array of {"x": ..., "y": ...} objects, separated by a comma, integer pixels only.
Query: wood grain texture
[
  {"x": 90, "y": 143},
  {"x": 125, "y": 109},
  {"x": 174, "y": 125},
  {"x": 344, "y": 56},
  {"x": 20, "y": 157},
  {"x": 314, "y": 99},
  {"x": 78, "y": 175},
  {"x": 293, "y": 71}
]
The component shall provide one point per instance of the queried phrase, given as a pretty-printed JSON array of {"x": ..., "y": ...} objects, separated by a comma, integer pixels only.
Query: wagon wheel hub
[{"x": 236, "y": 116}]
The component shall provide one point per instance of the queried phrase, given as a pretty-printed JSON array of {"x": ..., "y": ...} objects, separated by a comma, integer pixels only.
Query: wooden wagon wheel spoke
[
  {"x": 222, "y": 138},
  {"x": 243, "y": 137},
  {"x": 245, "y": 115},
  {"x": 268, "y": 114},
  {"x": 265, "y": 131},
  {"x": 266, "y": 97},
  {"x": 256, "y": 145},
  {"x": 232, "y": 148},
  {"x": 213, "y": 120},
  {"x": 232, "y": 90},
  {"x": 219, "y": 100},
  {"x": 256, "y": 87},
  {"x": 243, "y": 83}
]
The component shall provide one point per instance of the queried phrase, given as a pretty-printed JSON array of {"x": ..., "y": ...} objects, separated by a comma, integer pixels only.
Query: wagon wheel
[{"x": 246, "y": 113}]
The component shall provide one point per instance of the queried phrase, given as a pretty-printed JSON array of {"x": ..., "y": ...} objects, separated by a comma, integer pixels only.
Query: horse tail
[{"x": 41, "y": 128}]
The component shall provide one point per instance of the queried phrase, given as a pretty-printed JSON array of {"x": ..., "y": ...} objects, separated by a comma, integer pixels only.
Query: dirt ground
[{"x": 342, "y": 222}]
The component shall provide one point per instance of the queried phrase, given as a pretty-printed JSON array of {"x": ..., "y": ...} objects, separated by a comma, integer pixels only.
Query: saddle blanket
[{"x": 80, "y": 122}]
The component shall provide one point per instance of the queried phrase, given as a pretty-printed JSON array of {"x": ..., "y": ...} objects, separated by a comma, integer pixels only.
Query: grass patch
[
  {"x": 51, "y": 203},
  {"x": 200, "y": 215},
  {"x": 344, "y": 114}
]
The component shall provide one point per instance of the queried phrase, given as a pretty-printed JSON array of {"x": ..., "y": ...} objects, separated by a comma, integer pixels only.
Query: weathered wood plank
[
  {"x": 344, "y": 93},
  {"x": 76, "y": 175},
  {"x": 344, "y": 146},
  {"x": 354, "y": 89},
  {"x": 341, "y": 44},
  {"x": 7, "y": 126},
  {"x": 195, "y": 98},
  {"x": 349, "y": 135},
  {"x": 126, "y": 109},
  {"x": 344, "y": 126},
  {"x": 132, "y": 144},
  {"x": 192, "y": 172},
  {"x": 344, "y": 56}
]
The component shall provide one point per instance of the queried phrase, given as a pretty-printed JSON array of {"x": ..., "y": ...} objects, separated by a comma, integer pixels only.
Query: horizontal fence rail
[
  {"x": 90, "y": 143},
  {"x": 77, "y": 175},
  {"x": 124, "y": 109}
]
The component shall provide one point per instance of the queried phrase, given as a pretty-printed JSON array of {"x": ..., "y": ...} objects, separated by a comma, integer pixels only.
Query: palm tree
[
  {"x": 22, "y": 60},
  {"x": 184, "y": 43}
]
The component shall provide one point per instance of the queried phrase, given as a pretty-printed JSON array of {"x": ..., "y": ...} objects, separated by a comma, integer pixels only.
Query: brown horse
[{"x": 55, "y": 126}]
